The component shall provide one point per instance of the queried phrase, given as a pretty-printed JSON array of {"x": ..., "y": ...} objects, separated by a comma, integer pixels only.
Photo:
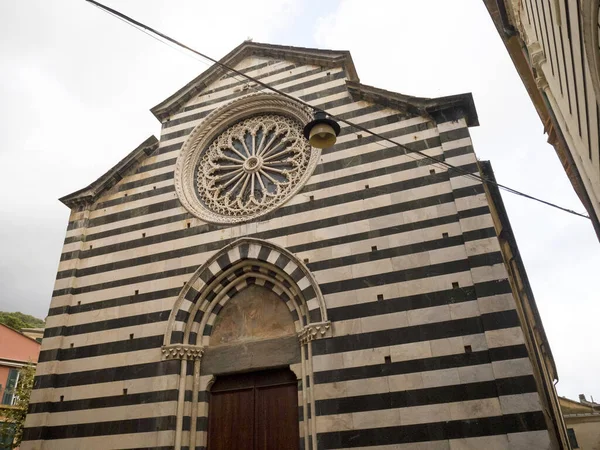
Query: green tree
[
  {"x": 18, "y": 320},
  {"x": 14, "y": 416}
]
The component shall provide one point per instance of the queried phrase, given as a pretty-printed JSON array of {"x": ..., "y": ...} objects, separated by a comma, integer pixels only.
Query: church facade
[{"x": 231, "y": 287}]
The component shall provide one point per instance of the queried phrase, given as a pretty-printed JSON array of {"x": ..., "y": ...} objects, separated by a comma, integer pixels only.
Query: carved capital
[
  {"x": 315, "y": 331},
  {"x": 182, "y": 351},
  {"x": 536, "y": 55}
]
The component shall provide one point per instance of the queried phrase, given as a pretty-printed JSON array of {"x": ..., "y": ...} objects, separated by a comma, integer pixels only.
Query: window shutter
[{"x": 11, "y": 383}]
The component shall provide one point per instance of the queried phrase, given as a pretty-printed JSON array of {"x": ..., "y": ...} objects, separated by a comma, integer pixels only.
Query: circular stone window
[{"x": 245, "y": 160}]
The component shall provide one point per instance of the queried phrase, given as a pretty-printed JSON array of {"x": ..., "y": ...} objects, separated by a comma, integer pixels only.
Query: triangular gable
[
  {"x": 317, "y": 57},
  {"x": 440, "y": 109},
  {"x": 90, "y": 193}
]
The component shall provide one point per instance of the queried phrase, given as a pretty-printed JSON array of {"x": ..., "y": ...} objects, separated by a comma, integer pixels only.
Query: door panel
[
  {"x": 277, "y": 418},
  {"x": 255, "y": 411},
  {"x": 231, "y": 422}
]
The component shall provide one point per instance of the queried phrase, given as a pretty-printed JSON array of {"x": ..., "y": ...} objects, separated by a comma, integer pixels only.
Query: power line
[{"x": 166, "y": 39}]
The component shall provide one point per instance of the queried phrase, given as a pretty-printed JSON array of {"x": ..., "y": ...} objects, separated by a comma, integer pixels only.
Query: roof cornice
[
  {"x": 89, "y": 194},
  {"x": 440, "y": 109},
  {"x": 318, "y": 57}
]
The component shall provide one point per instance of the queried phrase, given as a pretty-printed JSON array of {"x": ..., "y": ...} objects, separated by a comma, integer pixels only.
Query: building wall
[
  {"x": 587, "y": 431},
  {"x": 426, "y": 339},
  {"x": 551, "y": 36},
  {"x": 16, "y": 347}
]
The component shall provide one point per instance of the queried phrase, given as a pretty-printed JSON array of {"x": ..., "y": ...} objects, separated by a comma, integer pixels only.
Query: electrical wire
[{"x": 407, "y": 151}]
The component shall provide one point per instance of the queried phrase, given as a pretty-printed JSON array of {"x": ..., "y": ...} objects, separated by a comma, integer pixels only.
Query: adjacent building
[
  {"x": 554, "y": 46},
  {"x": 582, "y": 419},
  {"x": 16, "y": 350},
  {"x": 230, "y": 287}
]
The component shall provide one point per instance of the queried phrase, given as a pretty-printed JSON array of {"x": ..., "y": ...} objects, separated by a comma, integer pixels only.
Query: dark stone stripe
[
  {"x": 268, "y": 235},
  {"x": 106, "y": 402},
  {"x": 168, "y": 148},
  {"x": 381, "y": 338},
  {"x": 387, "y": 170},
  {"x": 142, "y": 226},
  {"x": 151, "y": 208},
  {"x": 371, "y": 371},
  {"x": 174, "y": 122},
  {"x": 289, "y": 89},
  {"x": 421, "y": 365},
  {"x": 453, "y": 429},
  {"x": 286, "y": 210},
  {"x": 392, "y": 252},
  {"x": 341, "y": 313},
  {"x": 399, "y": 276},
  {"x": 334, "y": 165},
  {"x": 320, "y": 169},
  {"x": 126, "y": 426},
  {"x": 128, "y": 372},
  {"x": 156, "y": 165},
  {"x": 307, "y": 98},
  {"x": 106, "y": 348},
  {"x": 479, "y": 211},
  {"x": 411, "y": 302},
  {"x": 200, "y": 115},
  {"x": 105, "y": 325},
  {"x": 118, "y": 301},
  {"x": 454, "y": 135},
  {"x": 427, "y": 396},
  {"x": 136, "y": 197},
  {"x": 146, "y": 181},
  {"x": 416, "y": 333},
  {"x": 458, "y": 151}
]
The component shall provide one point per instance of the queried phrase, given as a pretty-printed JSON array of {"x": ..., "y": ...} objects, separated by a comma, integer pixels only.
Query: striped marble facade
[{"x": 424, "y": 350}]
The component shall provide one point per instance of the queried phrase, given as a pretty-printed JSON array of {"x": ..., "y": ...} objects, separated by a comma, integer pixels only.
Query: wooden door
[{"x": 254, "y": 411}]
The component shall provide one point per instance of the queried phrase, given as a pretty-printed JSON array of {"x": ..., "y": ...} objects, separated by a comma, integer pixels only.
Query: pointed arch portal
[{"x": 251, "y": 306}]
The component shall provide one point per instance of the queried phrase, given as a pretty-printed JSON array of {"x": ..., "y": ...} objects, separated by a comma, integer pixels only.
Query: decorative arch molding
[{"x": 245, "y": 262}]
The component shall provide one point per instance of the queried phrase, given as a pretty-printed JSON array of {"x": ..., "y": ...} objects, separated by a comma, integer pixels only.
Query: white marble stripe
[
  {"x": 106, "y": 389},
  {"x": 297, "y": 93},
  {"x": 324, "y": 212},
  {"x": 105, "y": 336},
  {"x": 356, "y": 186},
  {"x": 109, "y": 414},
  {"x": 110, "y": 442},
  {"x": 404, "y": 382},
  {"x": 102, "y": 362},
  {"x": 272, "y": 80},
  {"x": 320, "y": 254},
  {"x": 439, "y": 412}
]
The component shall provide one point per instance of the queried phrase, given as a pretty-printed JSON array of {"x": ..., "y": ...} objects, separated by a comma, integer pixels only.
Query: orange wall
[{"x": 16, "y": 347}]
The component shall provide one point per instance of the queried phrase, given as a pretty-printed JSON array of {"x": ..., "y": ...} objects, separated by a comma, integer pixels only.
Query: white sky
[{"x": 76, "y": 86}]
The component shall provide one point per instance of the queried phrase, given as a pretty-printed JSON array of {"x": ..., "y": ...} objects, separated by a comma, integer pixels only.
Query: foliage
[
  {"x": 18, "y": 321},
  {"x": 14, "y": 417}
]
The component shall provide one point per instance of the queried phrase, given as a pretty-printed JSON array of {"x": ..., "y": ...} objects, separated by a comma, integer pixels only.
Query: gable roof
[
  {"x": 440, "y": 109},
  {"x": 444, "y": 108},
  {"x": 90, "y": 193},
  {"x": 22, "y": 335},
  {"x": 317, "y": 57}
]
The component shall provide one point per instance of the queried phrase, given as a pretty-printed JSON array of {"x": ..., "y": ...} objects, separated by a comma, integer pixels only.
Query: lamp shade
[{"x": 322, "y": 132}]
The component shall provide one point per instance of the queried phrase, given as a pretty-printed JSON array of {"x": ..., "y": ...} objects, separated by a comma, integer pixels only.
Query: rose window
[{"x": 253, "y": 166}]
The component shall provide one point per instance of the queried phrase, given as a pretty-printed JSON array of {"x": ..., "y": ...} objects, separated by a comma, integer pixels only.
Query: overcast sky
[{"x": 76, "y": 86}]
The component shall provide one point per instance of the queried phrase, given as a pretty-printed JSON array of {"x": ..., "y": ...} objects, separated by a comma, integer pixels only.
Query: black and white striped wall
[{"x": 426, "y": 349}]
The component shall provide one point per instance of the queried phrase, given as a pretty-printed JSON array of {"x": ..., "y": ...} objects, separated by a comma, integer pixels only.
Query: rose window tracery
[{"x": 252, "y": 166}]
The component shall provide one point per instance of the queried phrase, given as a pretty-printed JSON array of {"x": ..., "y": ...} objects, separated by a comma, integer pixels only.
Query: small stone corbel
[
  {"x": 315, "y": 331},
  {"x": 182, "y": 351}
]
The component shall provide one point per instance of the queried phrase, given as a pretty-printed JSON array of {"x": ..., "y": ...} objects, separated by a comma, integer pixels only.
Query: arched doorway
[
  {"x": 253, "y": 306},
  {"x": 254, "y": 411}
]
